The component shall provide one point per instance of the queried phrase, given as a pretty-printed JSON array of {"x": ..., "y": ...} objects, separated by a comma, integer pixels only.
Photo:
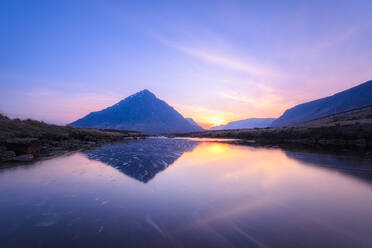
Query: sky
[{"x": 213, "y": 61}]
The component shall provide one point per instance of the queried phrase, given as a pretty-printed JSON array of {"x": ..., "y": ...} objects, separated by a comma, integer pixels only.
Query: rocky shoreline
[
  {"x": 28, "y": 140},
  {"x": 27, "y": 150},
  {"x": 351, "y": 136},
  {"x": 351, "y": 130}
]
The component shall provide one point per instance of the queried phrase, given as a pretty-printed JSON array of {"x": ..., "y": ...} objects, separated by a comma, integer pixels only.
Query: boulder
[
  {"x": 23, "y": 158},
  {"x": 23, "y": 146},
  {"x": 2, "y": 150},
  {"x": 7, "y": 155}
]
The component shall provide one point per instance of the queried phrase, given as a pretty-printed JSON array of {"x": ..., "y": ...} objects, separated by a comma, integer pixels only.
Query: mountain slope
[
  {"x": 143, "y": 112},
  {"x": 247, "y": 123},
  {"x": 195, "y": 124},
  {"x": 355, "y": 97}
]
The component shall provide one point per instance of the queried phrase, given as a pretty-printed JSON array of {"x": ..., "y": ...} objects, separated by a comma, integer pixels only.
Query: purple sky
[{"x": 214, "y": 61}]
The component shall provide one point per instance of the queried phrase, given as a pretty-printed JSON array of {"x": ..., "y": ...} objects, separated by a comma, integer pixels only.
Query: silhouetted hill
[
  {"x": 355, "y": 97},
  {"x": 247, "y": 123},
  {"x": 143, "y": 112}
]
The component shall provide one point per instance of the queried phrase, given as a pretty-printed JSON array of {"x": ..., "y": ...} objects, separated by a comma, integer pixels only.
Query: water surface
[{"x": 187, "y": 193}]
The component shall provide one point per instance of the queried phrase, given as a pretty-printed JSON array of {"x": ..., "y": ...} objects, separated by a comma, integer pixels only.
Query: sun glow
[{"x": 215, "y": 121}]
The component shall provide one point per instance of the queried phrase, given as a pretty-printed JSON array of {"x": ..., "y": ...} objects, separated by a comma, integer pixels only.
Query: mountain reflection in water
[
  {"x": 209, "y": 194},
  {"x": 357, "y": 166},
  {"x": 142, "y": 159}
]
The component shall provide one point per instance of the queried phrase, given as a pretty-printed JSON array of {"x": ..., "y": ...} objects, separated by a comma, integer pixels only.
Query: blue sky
[{"x": 214, "y": 61}]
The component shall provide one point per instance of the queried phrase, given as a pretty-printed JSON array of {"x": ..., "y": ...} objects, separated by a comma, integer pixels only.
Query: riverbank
[
  {"x": 27, "y": 140},
  {"x": 348, "y": 130}
]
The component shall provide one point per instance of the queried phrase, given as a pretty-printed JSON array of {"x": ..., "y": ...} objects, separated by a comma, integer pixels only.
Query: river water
[{"x": 161, "y": 192}]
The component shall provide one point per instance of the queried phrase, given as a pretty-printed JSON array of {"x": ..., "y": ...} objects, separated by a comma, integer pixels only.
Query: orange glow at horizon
[
  {"x": 205, "y": 125},
  {"x": 208, "y": 117},
  {"x": 212, "y": 122},
  {"x": 217, "y": 121}
]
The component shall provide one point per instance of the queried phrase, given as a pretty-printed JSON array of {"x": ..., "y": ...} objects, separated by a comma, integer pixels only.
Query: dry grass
[
  {"x": 16, "y": 128},
  {"x": 353, "y": 128}
]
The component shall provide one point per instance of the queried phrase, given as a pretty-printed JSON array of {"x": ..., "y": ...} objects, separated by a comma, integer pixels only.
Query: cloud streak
[{"x": 229, "y": 62}]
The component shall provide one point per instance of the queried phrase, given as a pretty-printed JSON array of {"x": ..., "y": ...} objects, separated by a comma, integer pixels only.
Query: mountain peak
[
  {"x": 142, "y": 111},
  {"x": 144, "y": 92}
]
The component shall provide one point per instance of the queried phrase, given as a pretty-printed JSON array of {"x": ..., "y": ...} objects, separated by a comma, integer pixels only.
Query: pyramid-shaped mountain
[{"x": 142, "y": 112}]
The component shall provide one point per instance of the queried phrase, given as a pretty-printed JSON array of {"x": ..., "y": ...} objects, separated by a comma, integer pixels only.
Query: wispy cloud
[
  {"x": 265, "y": 101},
  {"x": 252, "y": 95},
  {"x": 219, "y": 58}
]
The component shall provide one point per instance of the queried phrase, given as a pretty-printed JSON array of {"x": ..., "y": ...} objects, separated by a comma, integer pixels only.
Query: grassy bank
[
  {"x": 25, "y": 140},
  {"x": 348, "y": 130}
]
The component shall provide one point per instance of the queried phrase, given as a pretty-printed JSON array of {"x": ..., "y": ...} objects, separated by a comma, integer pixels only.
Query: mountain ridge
[
  {"x": 142, "y": 111},
  {"x": 355, "y": 97},
  {"x": 246, "y": 123},
  {"x": 194, "y": 123}
]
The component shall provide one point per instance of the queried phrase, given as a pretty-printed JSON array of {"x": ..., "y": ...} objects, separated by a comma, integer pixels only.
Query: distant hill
[
  {"x": 142, "y": 112},
  {"x": 355, "y": 97},
  {"x": 195, "y": 124},
  {"x": 247, "y": 123}
]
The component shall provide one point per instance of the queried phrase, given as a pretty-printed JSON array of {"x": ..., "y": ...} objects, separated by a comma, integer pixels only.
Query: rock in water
[
  {"x": 6, "y": 155},
  {"x": 23, "y": 158}
]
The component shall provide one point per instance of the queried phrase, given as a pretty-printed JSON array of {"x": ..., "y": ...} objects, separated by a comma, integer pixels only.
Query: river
[{"x": 160, "y": 192}]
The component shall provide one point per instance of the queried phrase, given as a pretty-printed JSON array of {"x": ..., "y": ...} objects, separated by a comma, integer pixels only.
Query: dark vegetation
[
  {"x": 346, "y": 130},
  {"x": 24, "y": 140},
  {"x": 346, "y": 100}
]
